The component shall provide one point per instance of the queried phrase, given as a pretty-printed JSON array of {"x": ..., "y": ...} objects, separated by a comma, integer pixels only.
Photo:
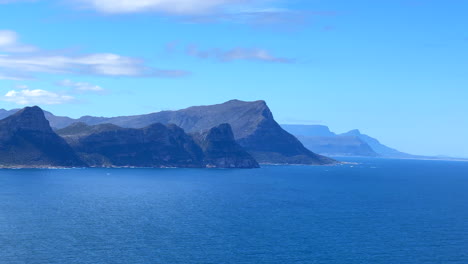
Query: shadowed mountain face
[
  {"x": 27, "y": 140},
  {"x": 156, "y": 145},
  {"x": 252, "y": 123}
]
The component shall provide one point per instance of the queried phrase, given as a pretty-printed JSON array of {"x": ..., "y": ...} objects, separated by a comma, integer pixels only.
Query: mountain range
[
  {"x": 320, "y": 139},
  {"x": 234, "y": 134}
]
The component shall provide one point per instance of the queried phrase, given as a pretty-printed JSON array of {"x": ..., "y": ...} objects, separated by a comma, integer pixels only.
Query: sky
[{"x": 395, "y": 69}]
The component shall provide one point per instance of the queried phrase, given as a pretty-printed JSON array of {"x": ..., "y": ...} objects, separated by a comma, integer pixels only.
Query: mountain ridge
[
  {"x": 28, "y": 141},
  {"x": 351, "y": 143}
]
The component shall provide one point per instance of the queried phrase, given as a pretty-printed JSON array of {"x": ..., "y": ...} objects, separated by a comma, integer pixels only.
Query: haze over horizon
[{"x": 401, "y": 79}]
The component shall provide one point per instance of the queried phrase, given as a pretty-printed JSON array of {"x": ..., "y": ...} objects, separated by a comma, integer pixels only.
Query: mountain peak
[
  {"x": 234, "y": 101},
  {"x": 354, "y": 132},
  {"x": 221, "y": 131},
  {"x": 30, "y": 110},
  {"x": 28, "y": 140},
  {"x": 28, "y": 118}
]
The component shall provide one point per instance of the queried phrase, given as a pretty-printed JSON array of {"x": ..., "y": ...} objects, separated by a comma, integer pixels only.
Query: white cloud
[
  {"x": 21, "y": 61},
  {"x": 235, "y": 54},
  {"x": 36, "y": 97},
  {"x": 177, "y": 7},
  {"x": 9, "y": 42},
  {"x": 82, "y": 86},
  {"x": 104, "y": 64},
  {"x": 255, "y": 12}
]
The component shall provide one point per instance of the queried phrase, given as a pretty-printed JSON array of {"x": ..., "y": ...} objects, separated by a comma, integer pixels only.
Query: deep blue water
[{"x": 381, "y": 211}]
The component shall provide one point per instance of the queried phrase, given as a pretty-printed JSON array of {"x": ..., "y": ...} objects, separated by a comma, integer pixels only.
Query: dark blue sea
[{"x": 378, "y": 211}]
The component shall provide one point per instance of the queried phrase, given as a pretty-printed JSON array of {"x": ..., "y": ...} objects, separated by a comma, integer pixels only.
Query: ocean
[{"x": 375, "y": 211}]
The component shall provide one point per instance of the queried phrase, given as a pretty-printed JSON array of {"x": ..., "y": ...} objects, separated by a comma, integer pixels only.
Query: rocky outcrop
[{"x": 221, "y": 150}]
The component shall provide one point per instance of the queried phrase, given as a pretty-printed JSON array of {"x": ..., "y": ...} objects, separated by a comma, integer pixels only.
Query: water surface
[{"x": 380, "y": 211}]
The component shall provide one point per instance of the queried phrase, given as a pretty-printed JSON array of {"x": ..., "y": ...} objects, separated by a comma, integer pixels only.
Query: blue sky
[{"x": 397, "y": 70}]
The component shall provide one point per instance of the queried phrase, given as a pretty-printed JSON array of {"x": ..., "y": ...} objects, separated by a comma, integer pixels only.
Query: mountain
[
  {"x": 378, "y": 147},
  {"x": 6, "y": 113},
  {"x": 27, "y": 140},
  {"x": 321, "y": 140},
  {"x": 252, "y": 123},
  {"x": 156, "y": 145}
]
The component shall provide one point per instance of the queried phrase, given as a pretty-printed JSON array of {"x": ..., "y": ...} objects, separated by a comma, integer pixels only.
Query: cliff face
[
  {"x": 27, "y": 140},
  {"x": 221, "y": 150}
]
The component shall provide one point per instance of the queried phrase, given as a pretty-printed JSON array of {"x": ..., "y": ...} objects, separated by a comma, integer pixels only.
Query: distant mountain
[
  {"x": 252, "y": 123},
  {"x": 156, "y": 145},
  {"x": 353, "y": 143},
  {"x": 321, "y": 140},
  {"x": 6, "y": 113},
  {"x": 338, "y": 146},
  {"x": 27, "y": 140},
  {"x": 309, "y": 130},
  {"x": 378, "y": 147}
]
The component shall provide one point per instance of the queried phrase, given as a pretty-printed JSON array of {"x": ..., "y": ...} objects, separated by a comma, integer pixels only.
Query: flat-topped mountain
[
  {"x": 27, "y": 140},
  {"x": 252, "y": 123},
  {"x": 309, "y": 130}
]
